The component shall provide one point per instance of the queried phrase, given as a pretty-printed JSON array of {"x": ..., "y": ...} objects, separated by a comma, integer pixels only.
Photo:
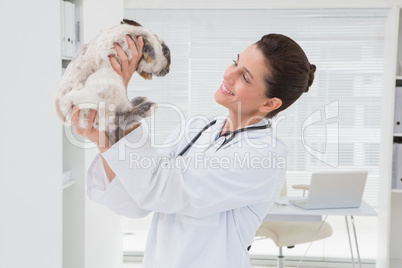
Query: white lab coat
[{"x": 207, "y": 204}]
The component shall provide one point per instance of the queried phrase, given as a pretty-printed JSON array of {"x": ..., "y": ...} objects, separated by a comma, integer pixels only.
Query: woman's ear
[{"x": 270, "y": 104}]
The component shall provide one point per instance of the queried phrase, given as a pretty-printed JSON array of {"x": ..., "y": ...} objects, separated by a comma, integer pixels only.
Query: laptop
[{"x": 341, "y": 189}]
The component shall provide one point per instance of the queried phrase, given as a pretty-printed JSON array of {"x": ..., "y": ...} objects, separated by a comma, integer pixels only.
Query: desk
[{"x": 283, "y": 210}]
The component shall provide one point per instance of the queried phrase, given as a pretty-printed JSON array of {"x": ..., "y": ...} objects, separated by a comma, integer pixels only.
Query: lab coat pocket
[{"x": 207, "y": 221}]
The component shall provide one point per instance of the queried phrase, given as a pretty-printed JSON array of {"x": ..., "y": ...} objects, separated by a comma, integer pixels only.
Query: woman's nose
[{"x": 229, "y": 75}]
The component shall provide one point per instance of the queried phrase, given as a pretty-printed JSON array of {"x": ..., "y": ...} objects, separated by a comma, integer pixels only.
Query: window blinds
[{"x": 335, "y": 126}]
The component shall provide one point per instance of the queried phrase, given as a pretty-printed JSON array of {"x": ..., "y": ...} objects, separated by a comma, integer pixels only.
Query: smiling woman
[
  {"x": 265, "y": 79},
  {"x": 212, "y": 203},
  {"x": 243, "y": 88}
]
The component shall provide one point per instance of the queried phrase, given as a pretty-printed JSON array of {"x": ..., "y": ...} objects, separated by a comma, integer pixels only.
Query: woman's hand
[
  {"x": 127, "y": 67},
  {"x": 98, "y": 137},
  {"x": 94, "y": 135}
]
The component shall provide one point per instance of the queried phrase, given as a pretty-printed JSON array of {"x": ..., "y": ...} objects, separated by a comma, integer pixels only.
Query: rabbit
[{"x": 90, "y": 82}]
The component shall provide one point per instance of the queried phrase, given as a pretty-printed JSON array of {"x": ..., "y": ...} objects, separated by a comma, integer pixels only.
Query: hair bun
[
  {"x": 313, "y": 68},
  {"x": 311, "y": 76}
]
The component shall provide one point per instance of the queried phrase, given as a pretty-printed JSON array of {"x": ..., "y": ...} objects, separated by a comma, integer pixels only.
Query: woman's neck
[{"x": 234, "y": 122}]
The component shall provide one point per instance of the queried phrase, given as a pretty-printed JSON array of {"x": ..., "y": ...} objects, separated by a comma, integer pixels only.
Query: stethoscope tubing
[{"x": 232, "y": 133}]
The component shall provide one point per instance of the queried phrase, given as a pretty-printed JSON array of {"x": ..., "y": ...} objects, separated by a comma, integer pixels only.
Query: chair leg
[{"x": 281, "y": 259}]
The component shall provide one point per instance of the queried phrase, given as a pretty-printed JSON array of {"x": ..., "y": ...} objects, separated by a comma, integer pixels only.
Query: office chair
[
  {"x": 289, "y": 234},
  {"x": 303, "y": 187}
]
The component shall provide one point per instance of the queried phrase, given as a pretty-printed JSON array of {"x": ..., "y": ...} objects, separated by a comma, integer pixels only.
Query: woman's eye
[{"x": 244, "y": 76}]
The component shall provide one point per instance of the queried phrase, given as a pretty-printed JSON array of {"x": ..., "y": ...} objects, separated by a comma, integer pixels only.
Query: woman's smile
[{"x": 225, "y": 90}]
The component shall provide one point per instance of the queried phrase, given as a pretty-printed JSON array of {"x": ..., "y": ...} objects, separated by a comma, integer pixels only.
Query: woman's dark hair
[{"x": 290, "y": 72}]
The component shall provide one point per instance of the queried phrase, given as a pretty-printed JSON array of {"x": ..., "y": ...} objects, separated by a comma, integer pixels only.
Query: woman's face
[{"x": 242, "y": 90}]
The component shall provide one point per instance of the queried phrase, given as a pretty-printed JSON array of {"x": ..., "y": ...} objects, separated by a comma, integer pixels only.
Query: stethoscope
[{"x": 226, "y": 141}]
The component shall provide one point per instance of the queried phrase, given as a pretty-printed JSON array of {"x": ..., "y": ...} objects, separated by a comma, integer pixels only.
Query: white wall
[
  {"x": 30, "y": 135},
  {"x": 99, "y": 15},
  {"x": 102, "y": 225}
]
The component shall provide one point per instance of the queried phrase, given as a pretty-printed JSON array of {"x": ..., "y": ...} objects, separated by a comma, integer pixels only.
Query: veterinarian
[{"x": 216, "y": 179}]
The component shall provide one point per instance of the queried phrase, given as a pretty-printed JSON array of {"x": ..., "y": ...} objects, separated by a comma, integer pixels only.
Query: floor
[
  {"x": 334, "y": 265},
  {"x": 138, "y": 265},
  {"x": 331, "y": 249}
]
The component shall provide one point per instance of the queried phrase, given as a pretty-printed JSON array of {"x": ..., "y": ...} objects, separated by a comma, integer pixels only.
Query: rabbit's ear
[
  {"x": 148, "y": 50},
  {"x": 130, "y": 22}
]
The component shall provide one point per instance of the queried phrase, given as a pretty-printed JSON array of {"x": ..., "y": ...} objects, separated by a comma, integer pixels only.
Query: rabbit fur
[{"x": 90, "y": 82}]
